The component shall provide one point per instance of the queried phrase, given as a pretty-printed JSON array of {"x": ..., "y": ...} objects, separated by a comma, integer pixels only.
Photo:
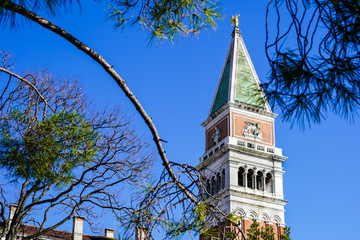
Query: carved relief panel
[{"x": 252, "y": 129}]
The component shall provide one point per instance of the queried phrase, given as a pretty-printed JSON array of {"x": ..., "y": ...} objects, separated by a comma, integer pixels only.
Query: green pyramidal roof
[
  {"x": 246, "y": 88},
  {"x": 222, "y": 95},
  {"x": 238, "y": 82}
]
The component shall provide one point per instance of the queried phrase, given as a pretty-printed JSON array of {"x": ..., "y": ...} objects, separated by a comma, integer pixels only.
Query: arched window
[
  {"x": 213, "y": 186},
  {"x": 218, "y": 182},
  {"x": 241, "y": 177},
  {"x": 259, "y": 183},
  {"x": 250, "y": 174},
  {"x": 223, "y": 179},
  {"x": 239, "y": 222},
  {"x": 268, "y": 182},
  {"x": 208, "y": 188}
]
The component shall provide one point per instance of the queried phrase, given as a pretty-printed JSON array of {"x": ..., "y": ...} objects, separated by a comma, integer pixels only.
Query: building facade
[
  {"x": 26, "y": 231},
  {"x": 241, "y": 164}
]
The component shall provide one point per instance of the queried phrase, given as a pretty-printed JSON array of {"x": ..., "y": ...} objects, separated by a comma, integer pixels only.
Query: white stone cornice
[
  {"x": 213, "y": 158},
  {"x": 258, "y": 197},
  {"x": 257, "y": 153}
]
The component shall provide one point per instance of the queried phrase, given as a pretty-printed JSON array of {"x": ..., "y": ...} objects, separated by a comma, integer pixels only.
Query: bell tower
[{"x": 241, "y": 163}]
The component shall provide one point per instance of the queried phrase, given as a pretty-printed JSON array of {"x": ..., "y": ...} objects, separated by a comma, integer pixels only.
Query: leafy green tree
[
  {"x": 163, "y": 19},
  {"x": 58, "y": 156},
  {"x": 286, "y": 234},
  {"x": 48, "y": 150},
  {"x": 267, "y": 233},
  {"x": 254, "y": 232}
]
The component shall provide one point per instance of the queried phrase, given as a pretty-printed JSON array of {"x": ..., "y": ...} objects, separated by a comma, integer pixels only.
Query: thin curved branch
[
  {"x": 109, "y": 69},
  {"x": 28, "y": 83}
]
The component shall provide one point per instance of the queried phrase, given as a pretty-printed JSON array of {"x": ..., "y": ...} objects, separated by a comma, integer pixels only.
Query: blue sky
[{"x": 176, "y": 83}]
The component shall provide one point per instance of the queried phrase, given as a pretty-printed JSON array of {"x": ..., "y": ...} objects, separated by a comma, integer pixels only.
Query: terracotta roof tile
[{"x": 29, "y": 229}]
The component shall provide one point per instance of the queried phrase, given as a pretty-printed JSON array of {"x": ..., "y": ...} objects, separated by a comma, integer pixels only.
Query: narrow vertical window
[
  {"x": 250, "y": 174},
  {"x": 218, "y": 183},
  {"x": 259, "y": 182},
  {"x": 223, "y": 179},
  {"x": 208, "y": 188},
  {"x": 269, "y": 182},
  {"x": 241, "y": 177},
  {"x": 213, "y": 186}
]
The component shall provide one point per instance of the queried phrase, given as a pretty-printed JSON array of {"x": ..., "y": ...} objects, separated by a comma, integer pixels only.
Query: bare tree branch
[
  {"x": 95, "y": 153},
  {"x": 28, "y": 83},
  {"x": 109, "y": 69}
]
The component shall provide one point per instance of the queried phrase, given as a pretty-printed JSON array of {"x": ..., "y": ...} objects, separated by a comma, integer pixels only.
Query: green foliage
[
  {"x": 232, "y": 217},
  {"x": 162, "y": 19},
  {"x": 196, "y": 222},
  {"x": 286, "y": 234},
  {"x": 174, "y": 226},
  {"x": 314, "y": 59},
  {"x": 230, "y": 235},
  {"x": 210, "y": 232},
  {"x": 59, "y": 156},
  {"x": 166, "y": 19},
  {"x": 265, "y": 233},
  {"x": 254, "y": 232},
  {"x": 48, "y": 150}
]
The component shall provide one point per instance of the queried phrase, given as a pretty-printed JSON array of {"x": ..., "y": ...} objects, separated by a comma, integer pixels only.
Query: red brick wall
[
  {"x": 224, "y": 129},
  {"x": 246, "y": 225}
]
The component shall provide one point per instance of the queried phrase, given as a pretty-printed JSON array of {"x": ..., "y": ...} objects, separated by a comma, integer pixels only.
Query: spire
[{"x": 239, "y": 82}]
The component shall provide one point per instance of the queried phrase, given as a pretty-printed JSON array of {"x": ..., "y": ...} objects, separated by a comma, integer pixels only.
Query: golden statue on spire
[{"x": 234, "y": 20}]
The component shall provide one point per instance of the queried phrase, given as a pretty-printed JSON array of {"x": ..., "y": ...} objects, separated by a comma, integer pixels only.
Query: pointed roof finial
[
  {"x": 234, "y": 20},
  {"x": 238, "y": 83}
]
